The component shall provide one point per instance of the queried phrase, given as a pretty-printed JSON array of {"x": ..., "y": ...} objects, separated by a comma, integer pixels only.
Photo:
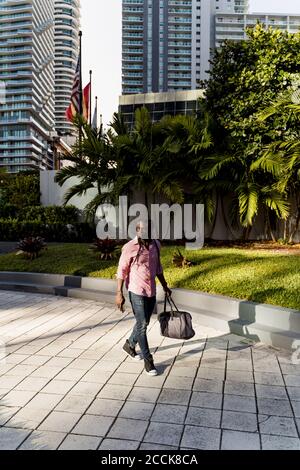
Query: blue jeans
[{"x": 142, "y": 308}]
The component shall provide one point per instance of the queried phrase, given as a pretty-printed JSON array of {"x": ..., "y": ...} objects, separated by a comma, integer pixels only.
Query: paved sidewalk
[{"x": 65, "y": 383}]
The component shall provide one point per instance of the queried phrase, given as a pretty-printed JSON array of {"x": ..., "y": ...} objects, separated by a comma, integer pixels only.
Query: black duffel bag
[{"x": 175, "y": 324}]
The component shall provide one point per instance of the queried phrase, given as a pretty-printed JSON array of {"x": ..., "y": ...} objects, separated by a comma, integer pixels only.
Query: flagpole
[
  {"x": 90, "y": 104},
  {"x": 80, "y": 75},
  {"x": 96, "y": 111},
  {"x": 80, "y": 92}
]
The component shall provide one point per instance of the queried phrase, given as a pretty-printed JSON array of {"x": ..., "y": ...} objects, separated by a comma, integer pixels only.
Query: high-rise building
[
  {"x": 234, "y": 26},
  {"x": 232, "y": 6},
  {"x": 166, "y": 43},
  {"x": 27, "y": 72},
  {"x": 67, "y": 24}
]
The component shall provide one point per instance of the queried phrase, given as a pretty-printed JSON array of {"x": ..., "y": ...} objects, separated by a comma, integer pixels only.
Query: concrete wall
[{"x": 53, "y": 195}]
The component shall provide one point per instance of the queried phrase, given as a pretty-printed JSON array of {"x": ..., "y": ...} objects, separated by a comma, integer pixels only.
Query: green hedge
[
  {"x": 45, "y": 215},
  {"x": 14, "y": 230}
]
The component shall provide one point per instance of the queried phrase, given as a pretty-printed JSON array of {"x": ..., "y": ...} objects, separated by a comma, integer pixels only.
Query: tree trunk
[{"x": 269, "y": 228}]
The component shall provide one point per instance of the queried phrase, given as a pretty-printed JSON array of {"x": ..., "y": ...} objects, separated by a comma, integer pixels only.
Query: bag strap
[{"x": 170, "y": 302}]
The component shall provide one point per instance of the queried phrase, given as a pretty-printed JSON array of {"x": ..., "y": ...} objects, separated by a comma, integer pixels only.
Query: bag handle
[{"x": 170, "y": 302}]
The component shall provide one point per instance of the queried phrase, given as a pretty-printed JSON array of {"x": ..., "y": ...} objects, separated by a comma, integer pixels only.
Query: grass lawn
[{"x": 257, "y": 275}]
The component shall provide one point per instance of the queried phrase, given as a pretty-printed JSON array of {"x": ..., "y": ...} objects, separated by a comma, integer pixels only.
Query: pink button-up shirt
[{"x": 139, "y": 274}]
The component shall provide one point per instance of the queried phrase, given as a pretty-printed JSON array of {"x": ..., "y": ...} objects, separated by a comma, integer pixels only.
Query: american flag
[{"x": 74, "y": 107}]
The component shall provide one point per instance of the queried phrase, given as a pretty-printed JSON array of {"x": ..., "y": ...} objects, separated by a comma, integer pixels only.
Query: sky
[{"x": 101, "y": 23}]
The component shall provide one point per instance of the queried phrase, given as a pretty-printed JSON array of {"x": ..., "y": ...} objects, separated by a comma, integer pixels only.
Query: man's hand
[
  {"x": 168, "y": 291},
  {"x": 120, "y": 301}
]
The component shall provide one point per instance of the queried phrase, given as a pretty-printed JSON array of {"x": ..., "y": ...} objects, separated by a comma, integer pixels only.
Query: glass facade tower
[
  {"x": 67, "y": 24},
  {"x": 27, "y": 73},
  {"x": 166, "y": 43}
]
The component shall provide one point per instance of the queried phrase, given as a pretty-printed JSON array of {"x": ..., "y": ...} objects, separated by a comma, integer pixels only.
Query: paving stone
[
  {"x": 294, "y": 393},
  {"x": 117, "y": 392},
  {"x": 61, "y": 387},
  {"x": 236, "y": 440},
  {"x": 123, "y": 428},
  {"x": 239, "y": 388},
  {"x": 45, "y": 401},
  {"x": 277, "y": 425},
  {"x": 212, "y": 374},
  {"x": 17, "y": 398},
  {"x": 28, "y": 418},
  {"x": 204, "y": 417},
  {"x": 207, "y": 400},
  {"x": 293, "y": 369},
  {"x": 239, "y": 365},
  {"x": 22, "y": 370},
  {"x": 206, "y": 385},
  {"x": 162, "y": 433},
  {"x": 272, "y": 406},
  {"x": 75, "y": 442},
  {"x": 169, "y": 414},
  {"x": 180, "y": 371},
  {"x": 268, "y": 379},
  {"x": 86, "y": 388},
  {"x": 145, "y": 395},
  {"x": 150, "y": 382},
  {"x": 32, "y": 384},
  {"x": 43, "y": 440},
  {"x": 46, "y": 372},
  {"x": 296, "y": 408},
  {"x": 11, "y": 438},
  {"x": 280, "y": 443},
  {"x": 239, "y": 376},
  {"x": 179, "y": 383},
  {"x": 134, "y": 367},
  {"x": 70, "y": 374},
  {"x": 123, "y": 379},
  {"x": 93, "y": 425},
  {"x": 83, "y": 364},
  {"x": 292, "y": 380},
  {"x": 239, "y": 403},
  {"x": 118, "y": 444},
  {"x": 59, "y": 421},
  {"x": 196, "y": 437},
  {"x": 271, "y": 391},
  {"x": 136, "y": 410},
  {"x": 238, "y": 421},
  {"x": 174, "y": 397},
  {"x": 148, "y": 446},
  {"x": 105, "y": 407},
  {"x": 74, "y": 404},
  {"x": 6, "y": 412}
]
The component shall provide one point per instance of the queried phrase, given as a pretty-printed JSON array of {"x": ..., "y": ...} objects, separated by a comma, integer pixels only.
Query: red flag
[{"x": 86, "y": 102}]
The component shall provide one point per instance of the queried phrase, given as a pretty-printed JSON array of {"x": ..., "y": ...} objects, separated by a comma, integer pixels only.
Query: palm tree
[
  {"x": 91, "y": 160},
  {"x": 281, "y": 158}
]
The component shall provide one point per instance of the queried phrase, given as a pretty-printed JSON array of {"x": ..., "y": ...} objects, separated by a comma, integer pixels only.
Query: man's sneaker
[
  {"x": 131, "y": 351},
  {"x": 150, "y": 368}
]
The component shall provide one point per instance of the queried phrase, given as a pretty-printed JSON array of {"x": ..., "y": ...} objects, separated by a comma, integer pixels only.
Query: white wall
[{"x": 53, "y": 195}]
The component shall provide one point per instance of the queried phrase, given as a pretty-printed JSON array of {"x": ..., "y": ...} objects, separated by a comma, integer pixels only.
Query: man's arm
[
  {"x": 120, "y": 299},
  {"x": 160, "y": 273},
  {"x": 164, "y": 284},
  {"x": 123, "y": 269}
]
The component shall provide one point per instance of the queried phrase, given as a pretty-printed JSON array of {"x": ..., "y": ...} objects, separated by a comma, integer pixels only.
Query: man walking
[{"x": 139, "y": 266}]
